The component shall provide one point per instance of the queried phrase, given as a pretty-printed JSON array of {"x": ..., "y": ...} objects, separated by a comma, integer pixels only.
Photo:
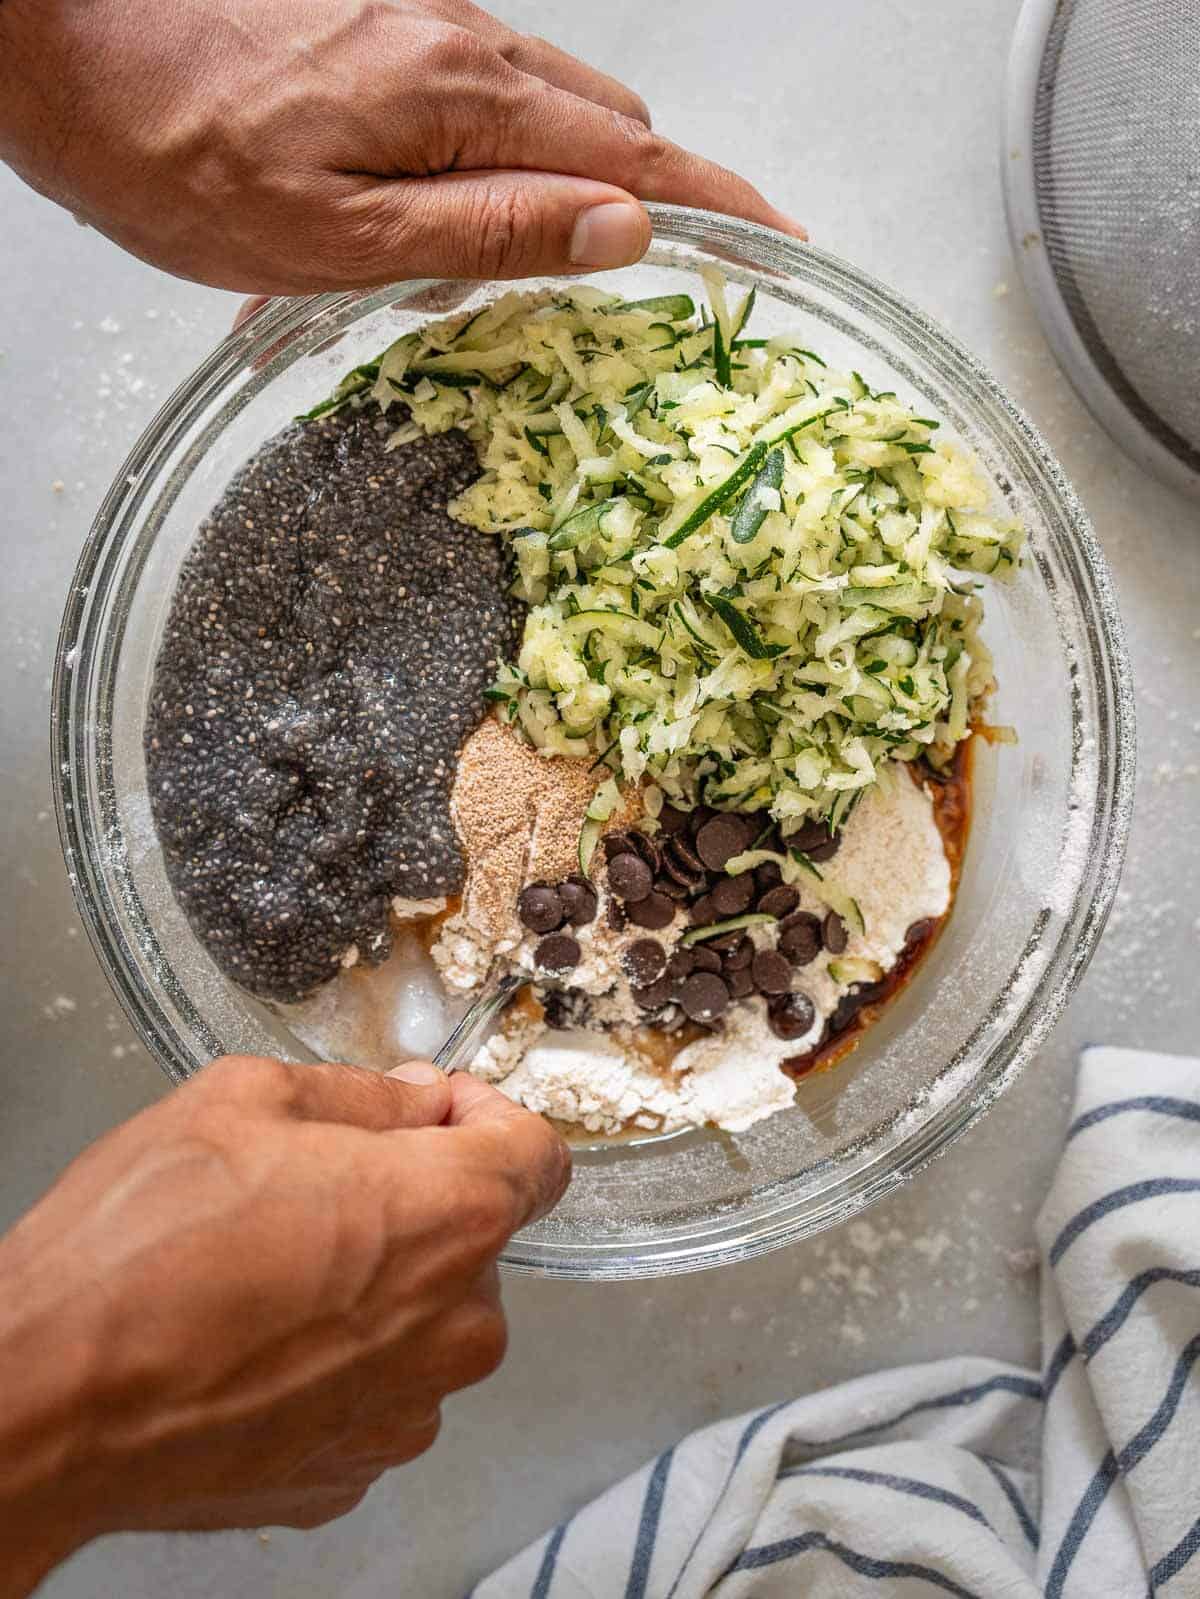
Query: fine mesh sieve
[{"x": 1102, "y": 184}]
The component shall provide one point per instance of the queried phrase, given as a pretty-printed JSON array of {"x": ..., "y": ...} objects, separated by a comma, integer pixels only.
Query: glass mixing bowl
[{"x": 1051, "y": 813}]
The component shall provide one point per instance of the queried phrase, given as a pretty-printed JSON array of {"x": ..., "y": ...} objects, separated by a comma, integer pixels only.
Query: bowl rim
[{"x": 750, "y": 1229}]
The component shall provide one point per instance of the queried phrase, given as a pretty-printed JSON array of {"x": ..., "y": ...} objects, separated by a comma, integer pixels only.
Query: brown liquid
[{"x": 951, "y": 795}]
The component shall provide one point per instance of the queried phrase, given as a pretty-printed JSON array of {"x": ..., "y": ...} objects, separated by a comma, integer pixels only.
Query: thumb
[
  {"x": 496, "y": 225},
  {"x": 415, "y": 1094}
]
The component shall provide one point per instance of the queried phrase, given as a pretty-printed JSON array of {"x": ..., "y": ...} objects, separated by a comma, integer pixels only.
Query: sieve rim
[{"x": 1116, "y": 415}]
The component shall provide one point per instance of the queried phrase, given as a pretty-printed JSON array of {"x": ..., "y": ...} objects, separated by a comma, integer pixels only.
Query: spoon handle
[{"x": 498, "y": 988}]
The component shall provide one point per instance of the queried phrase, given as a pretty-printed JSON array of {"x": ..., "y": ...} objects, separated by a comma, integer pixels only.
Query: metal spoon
[{"x": 499, "y": 986}]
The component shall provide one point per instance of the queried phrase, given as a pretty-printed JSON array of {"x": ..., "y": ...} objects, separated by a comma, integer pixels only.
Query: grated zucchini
[{"x": 740, "y": 565}]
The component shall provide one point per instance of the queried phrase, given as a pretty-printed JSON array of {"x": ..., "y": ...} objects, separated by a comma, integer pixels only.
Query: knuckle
[
  {"x": 480, "y": 1342},
  {"x": 246, "y": 1078},
  {"x": 328, "y": 1508},
  {"x": 507, "y": 231},
  {"x": 451, "y": 51},
  {"x": 484, "y": 1218}
]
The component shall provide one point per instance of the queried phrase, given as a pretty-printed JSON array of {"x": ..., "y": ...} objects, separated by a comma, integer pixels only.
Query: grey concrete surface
[{"x": 878, "y": 126}]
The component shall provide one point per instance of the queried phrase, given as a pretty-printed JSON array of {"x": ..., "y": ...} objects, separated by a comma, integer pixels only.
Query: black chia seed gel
[{"x": 325, "y": 656}]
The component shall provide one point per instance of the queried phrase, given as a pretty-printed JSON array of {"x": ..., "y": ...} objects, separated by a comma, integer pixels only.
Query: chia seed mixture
[{"x": 325, "y": 656}]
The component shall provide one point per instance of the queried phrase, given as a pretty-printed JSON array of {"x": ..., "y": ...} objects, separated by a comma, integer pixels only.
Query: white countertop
[{"x": 878, "y": 127}]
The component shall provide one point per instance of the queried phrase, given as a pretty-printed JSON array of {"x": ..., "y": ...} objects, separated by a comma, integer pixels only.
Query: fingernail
[
  {"x": 418, "y": 1072},
  {"x": 608, "y": 235}
]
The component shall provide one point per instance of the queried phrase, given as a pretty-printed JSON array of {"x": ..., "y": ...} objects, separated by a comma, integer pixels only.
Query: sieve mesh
[{"x": 1116, "y": 173}]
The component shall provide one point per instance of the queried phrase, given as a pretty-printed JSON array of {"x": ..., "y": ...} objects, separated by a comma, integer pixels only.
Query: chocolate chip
[
  {"x": 681, "y": 964},
  {"x": 629, "y": 877},
  {"x": 919, "y": 931},
  {"x": 648, "y": 850},
  {"x": 540, "y": 908},
  {"x": 689, "y": 879},
  {"x": 614, "y": 844},
  {"x": 705, "y": 959},
  {"x": 725, "y": 941},
  {"x": 704, "y": 997},
  {"x": 780, "y": 901},
  {"x": 645, "y": 961},
  {"x": 703, "y": 912},
  {"x": 720, "y": 840},
  {"x": 791, "y": 1016},
  {"x": 698, "y": 817},
  {"x": 733, "y": 895},
  {"x": 741, "y": 984},
  {"x": 800, "y": 938},
  {"x": 772, "y": 972},
  {"x": 740, "y": 956},
  {"x": 817, "y": 840},
  {"x": 654, "y": 995},
  {"x": 686, "y": 858},
  {"x": 654, "y": 912},
  {"x": 579, "y": 901},
  {"x": 834, "y": 933},
  {"x": 558, "y": 953},
  {"x": 673, "y": 890},
  {"x": 614, "y": 915},
  {"x": 768, "y": 875},
  {"x": 565, "y": 1008},
  {"x": 672, "y": 820}
]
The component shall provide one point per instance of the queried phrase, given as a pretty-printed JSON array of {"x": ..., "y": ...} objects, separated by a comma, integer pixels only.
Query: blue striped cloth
[{"x": 963, "y": 1477}]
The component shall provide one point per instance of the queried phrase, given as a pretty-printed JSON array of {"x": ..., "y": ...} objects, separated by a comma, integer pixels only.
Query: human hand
[
  {"x": 249, "y": 1301},
  {"x": 285, "y": 146}
]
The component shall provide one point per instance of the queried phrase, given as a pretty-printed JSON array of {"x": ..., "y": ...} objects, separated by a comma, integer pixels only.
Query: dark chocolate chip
[
  {"x": 740, "y": 956},
  {"x": 565, "y": 1007},
  {"x": 725, "y": 941},
  {"x": 688, "y": 879},
  {"x": 800, "y": 938},
  {"x": 732, "y": 895},
  {"x": 614, "y": 844},
  {"x": 648, "y": 850},
  {"x": 629, "y": 877},
  {"x": 816, "y": 839},
  {"x": 791, "y": 1016},
  {"x": 681, "y": 964},
  {"x": 652, "y": 996},
  {"x": 655, "y": 912},
  {"x": 614, "y": 915},
  {"x": 741, "y": 984},
  {"x": 579, "y": 901},
  {"x": 672, "y": 820},
  {"x": 834, "y": 933},
  {"x": 768, "y": 875},
  {"x": 772, "y": 972},
  {"x": 698, "y": 817},
  {"x": 703, "y": 912},
  {"x": 673, "y": 890},
  {"x": 705, "y": 959},
  {"x": 558, "y": 953},
  {"x": 704, "y": 997},
  {"x": 540, "y": 908},
  {"x": 686, "y": 858},
  {"x": 780, "y": 901},
  {"x": 920, "y": 931},
  {"x": 720, "y": 840},
  {"x": 644, "y": 961}
]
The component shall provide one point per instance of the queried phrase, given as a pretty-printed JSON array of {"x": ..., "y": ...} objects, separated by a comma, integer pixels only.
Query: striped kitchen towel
[{"x": 964, "y": 1477}]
